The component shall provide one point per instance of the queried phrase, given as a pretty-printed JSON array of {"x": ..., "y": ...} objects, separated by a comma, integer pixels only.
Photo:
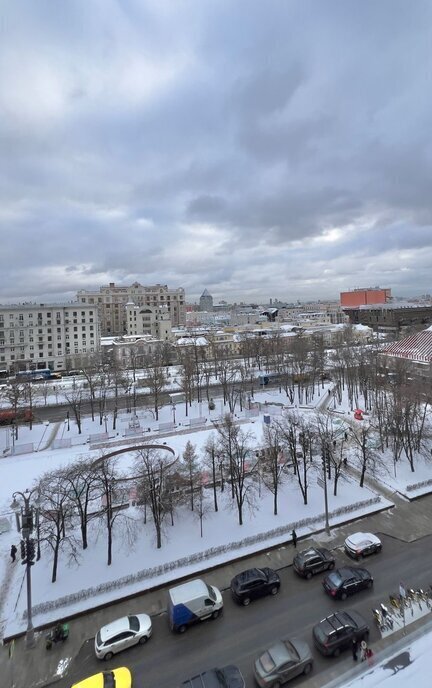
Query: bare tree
[
  {"x": 211, "y": 458},
  {"x": 74, "y": 398},
  {"x": 236, "y": 446},
  {"x": 273, "y": 462},
  {"x": 155, "y": 470},
  {"x": 155, "y": 376},
  {"x": 55, "y": 515},
  {"x": 108, "y": 478},
  {"x": 82, "y": 483}
]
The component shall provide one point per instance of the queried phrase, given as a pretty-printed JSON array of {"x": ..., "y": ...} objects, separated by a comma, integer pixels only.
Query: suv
[
  {"x": 313, "y": 560},
  {"x": 337, "y": 631},
  {"x": 123, "y": 633},
  {"x": 252, "y": 583},
  {"x": 227, "y": 677}
]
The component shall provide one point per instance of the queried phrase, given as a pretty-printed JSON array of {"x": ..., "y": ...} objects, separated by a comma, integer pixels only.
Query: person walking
[
  {"x": 354, "y": 648},
  {"x": 13, "y": 553},
  {"x": 363, "y": 650},
  {"x": 294, "y": 538}
]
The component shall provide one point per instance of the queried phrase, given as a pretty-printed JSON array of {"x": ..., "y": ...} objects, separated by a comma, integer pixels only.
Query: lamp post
[
  {"x": 27, "y": 515},
  {"x": 68, "y": 419},
  {"x": 173, "y": 409},
  {"x": 106, "y": 422}
]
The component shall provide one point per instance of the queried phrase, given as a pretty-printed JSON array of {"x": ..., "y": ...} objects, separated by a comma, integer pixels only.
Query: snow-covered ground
[{"x": 220, "y": 530}]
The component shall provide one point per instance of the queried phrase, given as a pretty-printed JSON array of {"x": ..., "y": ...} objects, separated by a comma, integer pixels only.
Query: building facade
[
  {"x": 51, "y": 336},
  {"x": 392, "y": 318},
  {"x": 364, "y": 297},
  {"x": 206, "y": 301},
  {"x": 111, "y": 303},
  {"x": 144, "y": 320}
]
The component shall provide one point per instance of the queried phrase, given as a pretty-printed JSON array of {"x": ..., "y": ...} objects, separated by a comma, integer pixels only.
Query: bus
[{"x": 36, "y": 375}]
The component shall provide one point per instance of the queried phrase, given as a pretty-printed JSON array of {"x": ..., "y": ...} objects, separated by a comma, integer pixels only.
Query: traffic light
[
  {"x": 23, "y": 550},
  {"x": 30, "y": 550}
]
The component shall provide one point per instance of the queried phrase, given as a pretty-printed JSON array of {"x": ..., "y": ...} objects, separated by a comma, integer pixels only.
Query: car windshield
[
  {"x": 211, "y": 593},
  {"x": 134, "y": 623},
  {"x": 109, "y": 680},
  {"x": 98, "y": 639},
  {"x": 334, "y": 579},
  {"x": 267, "y": 662}
]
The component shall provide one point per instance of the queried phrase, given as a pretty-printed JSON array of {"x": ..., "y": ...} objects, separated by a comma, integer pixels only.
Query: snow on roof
[{"x": 188, "y": 341}]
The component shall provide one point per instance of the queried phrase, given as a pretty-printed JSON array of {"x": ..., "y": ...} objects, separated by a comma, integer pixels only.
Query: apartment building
[
  {"x": 144, "y": 320},
  {"x": 36, "y": 336},
  {"x": 111, "y": 303}
]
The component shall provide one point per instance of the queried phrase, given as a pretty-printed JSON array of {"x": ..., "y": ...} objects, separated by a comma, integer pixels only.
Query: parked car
[
  {"x": 360, "y": 545},
  {"x": 121, "y": 634},
  {"x": 227, "y": 677},
  {"x": 116, "y": 678},
  {"x": 313, "y": 560},
  {"x": 337, "y": 631},
  {"x": 347, "y": 581},
  {"x": 283, "y": 661},
  {"x": 253, "y": 583}
]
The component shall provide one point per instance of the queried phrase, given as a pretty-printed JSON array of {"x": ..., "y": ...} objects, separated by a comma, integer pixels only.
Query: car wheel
[
  {"x": 274, "y": 590},
  {"x": 245, "y": 601},
  {"x": 108, "y": 656},
  {"x": 369, "y": 584},
  {"x": 308, "y": 575},
  {"x": 181, "y": 629},
  {"x": 343, "y": 596},
  {"x": 331, "y": 566},
  {"x": 215, "y": 614},
  {"x": 307, "y": 669},
  {"x": 143, "y": 640},
  {"x": 276, "y": 685},
  {"x": 378, "y": 549},
  {"x": 336, "y": 652}
]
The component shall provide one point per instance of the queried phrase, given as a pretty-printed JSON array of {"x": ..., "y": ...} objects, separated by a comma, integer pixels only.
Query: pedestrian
[
  {"x": 369, "y": 655},
  {"x": 13, "y": 553},
  {"x": 294, "y": 538},
  {"x": 346, "y": 437},
  {"x": 354, "y": 648},
  {"x": 363, "y": 650}
]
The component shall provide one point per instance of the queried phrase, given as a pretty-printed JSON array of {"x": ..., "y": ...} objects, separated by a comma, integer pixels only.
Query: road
[{"x": 242, "y": 632}]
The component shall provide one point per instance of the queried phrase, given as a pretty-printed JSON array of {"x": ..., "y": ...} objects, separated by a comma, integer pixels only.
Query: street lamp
[
  {"x": 68, "y": 420},
  {"x": 106, "y": 421},
  {"x": 26, "y": 514},
  {"x": 173, "y": 409}
]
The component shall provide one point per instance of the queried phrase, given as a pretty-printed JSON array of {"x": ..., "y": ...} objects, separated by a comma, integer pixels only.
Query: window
[
  {"x": 41, "y": 354},
  {"x": 75, "y": 314},
  {"x": 31, "y": 347},
  {"x": 31, "y": 355}
]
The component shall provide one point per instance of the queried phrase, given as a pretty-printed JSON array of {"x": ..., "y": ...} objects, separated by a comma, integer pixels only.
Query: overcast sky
[{"x": 256, "y": 149}]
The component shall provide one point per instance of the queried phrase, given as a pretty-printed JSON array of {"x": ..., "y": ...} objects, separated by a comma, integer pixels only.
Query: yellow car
[{"x": 116, "y": 678}]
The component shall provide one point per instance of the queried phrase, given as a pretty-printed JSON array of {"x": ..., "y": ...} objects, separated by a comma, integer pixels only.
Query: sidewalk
[{"x": 37, "y": 667}]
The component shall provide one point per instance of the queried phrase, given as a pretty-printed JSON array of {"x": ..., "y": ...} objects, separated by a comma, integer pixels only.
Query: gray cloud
[{"x": 277, "y": 149}]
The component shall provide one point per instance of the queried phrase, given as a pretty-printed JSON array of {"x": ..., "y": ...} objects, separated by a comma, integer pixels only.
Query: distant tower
[{"x": 206, "y": 301}]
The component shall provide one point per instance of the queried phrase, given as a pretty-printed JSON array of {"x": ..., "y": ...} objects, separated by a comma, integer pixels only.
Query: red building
[{"x": 364, "y": 297}]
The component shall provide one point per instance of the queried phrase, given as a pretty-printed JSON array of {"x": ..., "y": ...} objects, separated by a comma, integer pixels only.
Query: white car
[
  {"x": 360, "y": 545},
  {"x": 121, "y": 634}
]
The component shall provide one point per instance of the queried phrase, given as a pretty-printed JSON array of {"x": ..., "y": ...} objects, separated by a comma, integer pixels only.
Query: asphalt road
[{"x": 242, "y": 632}]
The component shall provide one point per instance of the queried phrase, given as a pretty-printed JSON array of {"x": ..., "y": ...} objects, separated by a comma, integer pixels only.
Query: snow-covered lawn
[{"x": 221, "y": 529}]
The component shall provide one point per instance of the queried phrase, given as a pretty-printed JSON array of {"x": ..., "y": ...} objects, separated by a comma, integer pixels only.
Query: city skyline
[{"x": 247, "y": 149}]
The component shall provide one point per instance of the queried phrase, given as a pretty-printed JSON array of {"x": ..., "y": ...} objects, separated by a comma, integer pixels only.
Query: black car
[
  {"x": 337, "y": 631},
  {"x": 253, "y": 583},
  {"x": 347, "y": 581},
  {"x": 314, "y": 560},
  {"x": 226, "y": 677}
]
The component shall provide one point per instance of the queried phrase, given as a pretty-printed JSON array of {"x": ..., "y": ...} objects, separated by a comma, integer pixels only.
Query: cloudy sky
[{"x": 256, "y": 149}]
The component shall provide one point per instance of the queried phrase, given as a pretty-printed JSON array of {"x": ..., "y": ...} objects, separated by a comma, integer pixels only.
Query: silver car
[
  {"x": 283, "y": 661},
  {"x": 121, "y": 634}
]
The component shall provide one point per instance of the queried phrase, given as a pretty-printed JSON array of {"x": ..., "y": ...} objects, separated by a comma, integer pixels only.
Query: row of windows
[{"x": 40, "y": 316}]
